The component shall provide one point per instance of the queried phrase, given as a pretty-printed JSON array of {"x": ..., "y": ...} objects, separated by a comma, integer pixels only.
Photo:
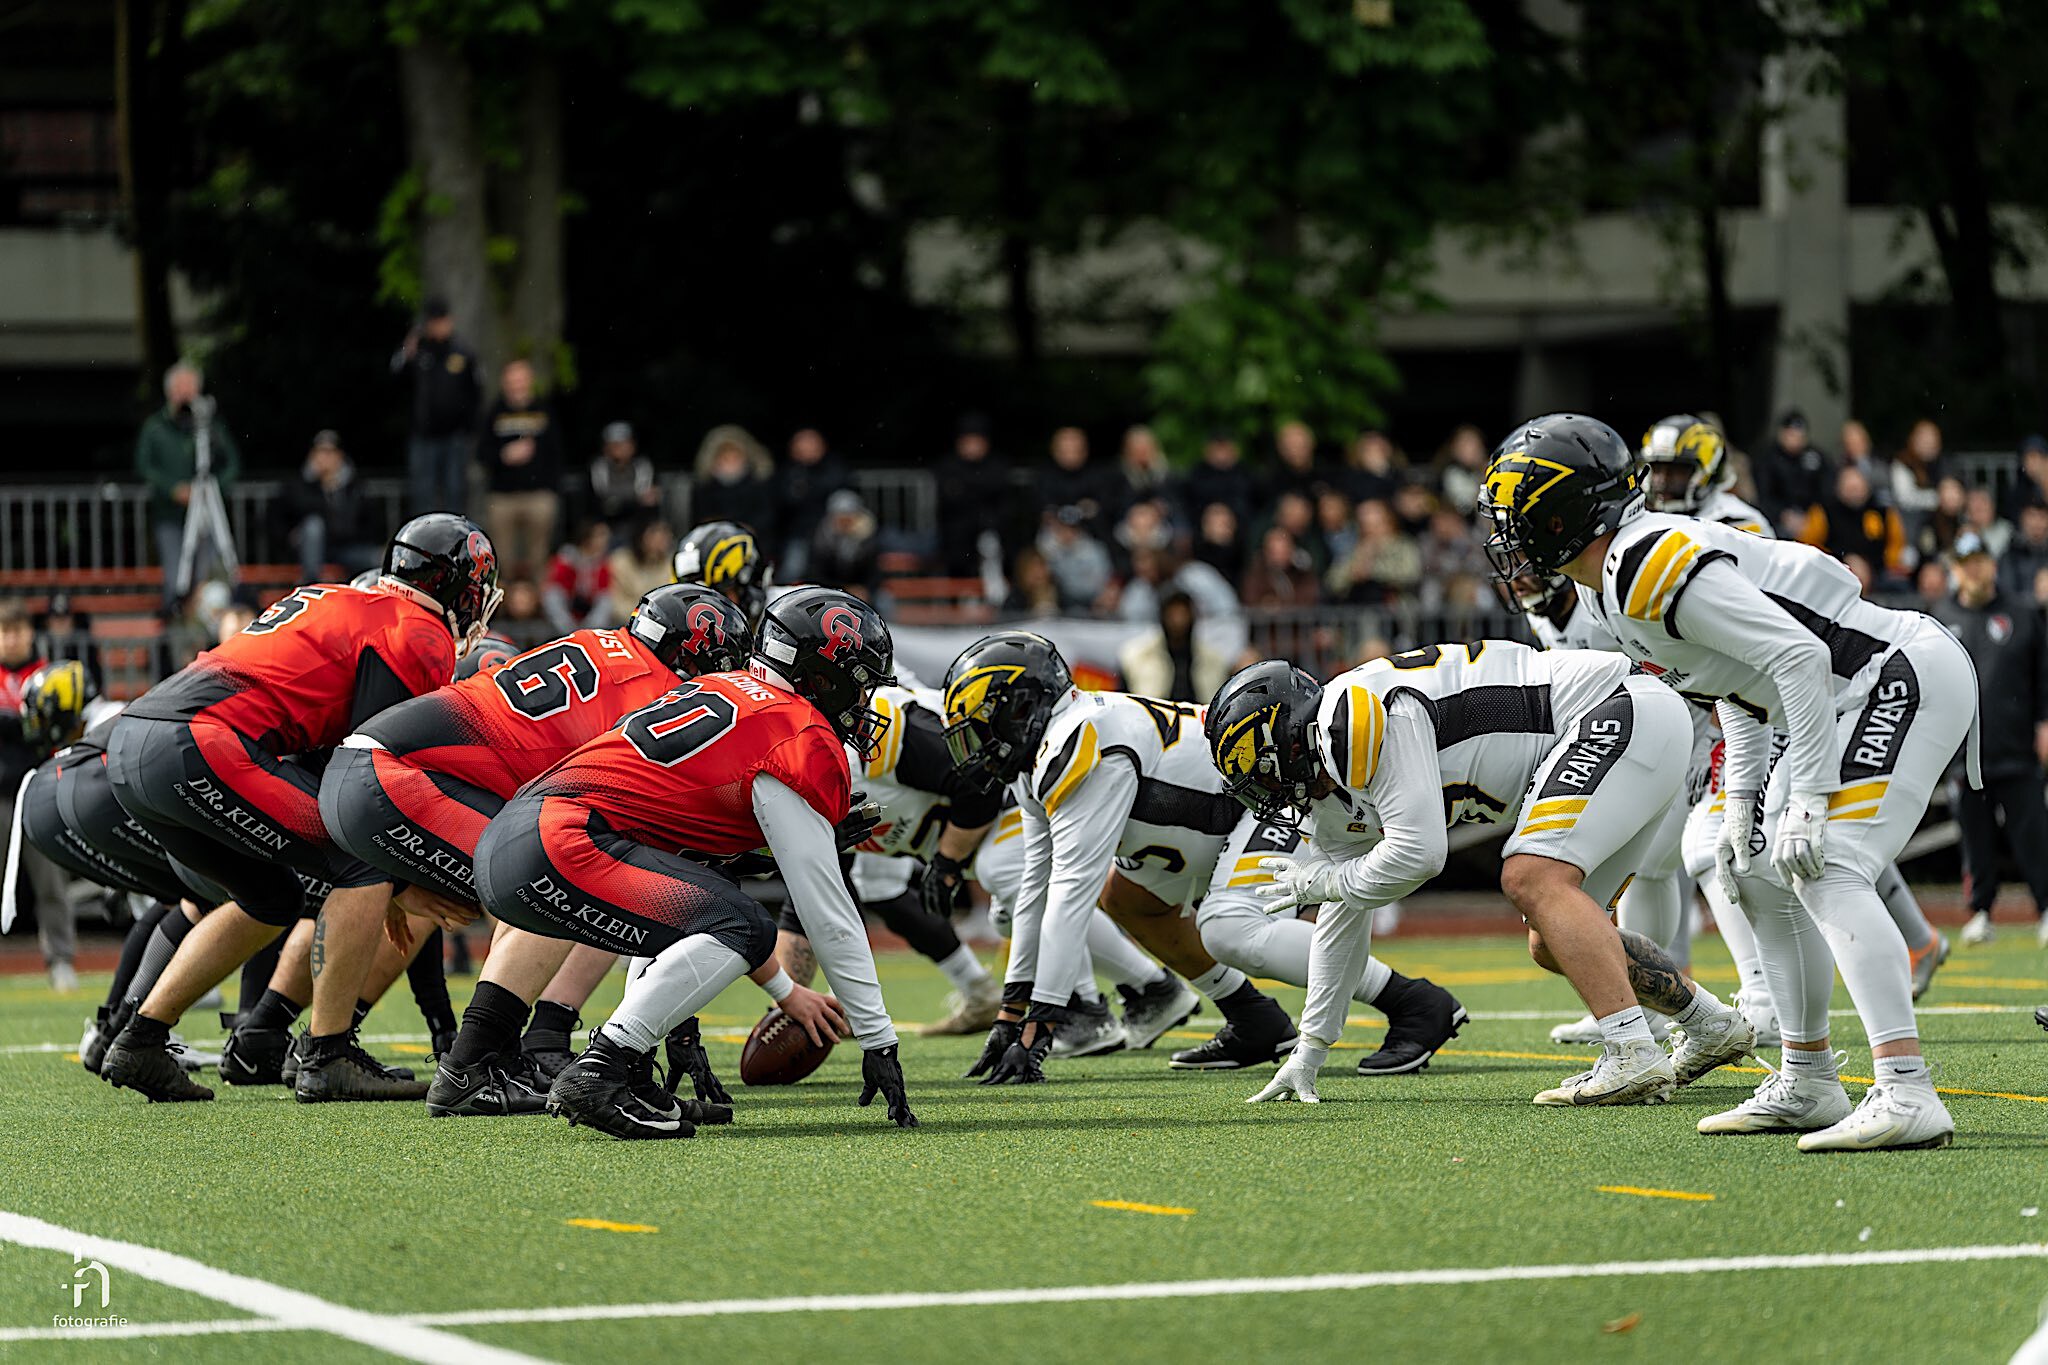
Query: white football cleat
[
  {"x": 1762, "y": 1015},
  {"x": 1926, "y": 962},
  {"x": 1586, "y": 1031},
  {"x": 1978, "y": 931},
  {"x": 1726, "y": 1038},
  {"x": 2041, "y": 933},
  {"x": 190, "y": 1057},
  {"x": 1639, "y": 1073},
  {"x": 1783, "y": 1104},
  {"x": 1902, "y": 1116}
]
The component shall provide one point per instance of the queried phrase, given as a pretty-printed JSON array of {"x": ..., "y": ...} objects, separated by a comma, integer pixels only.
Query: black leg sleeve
[
  {"x": 132, "y": 949},
  {"x": 905, "y": 917},
  {"x": 256, "y": 974},
  {"x": 430, "y": 985}
]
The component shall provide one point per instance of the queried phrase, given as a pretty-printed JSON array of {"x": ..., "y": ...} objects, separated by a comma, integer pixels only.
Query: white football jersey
[
  {"x": 1498, "y": 709},
  {"x": 1650, "y": 565},
  {"x": 912, "y": 778},
  {"x": 1729, "y": 510},
  {"x": 1583, "y": 629}
]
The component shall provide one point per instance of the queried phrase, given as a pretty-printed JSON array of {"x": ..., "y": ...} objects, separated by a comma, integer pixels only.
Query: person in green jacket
[{"x": 166, "y": 456}]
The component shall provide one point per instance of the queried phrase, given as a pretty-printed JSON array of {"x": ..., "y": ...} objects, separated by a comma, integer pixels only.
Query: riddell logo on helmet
[
  {"x": 706, "y": 628},
  {"x": 842, "y": 633}
]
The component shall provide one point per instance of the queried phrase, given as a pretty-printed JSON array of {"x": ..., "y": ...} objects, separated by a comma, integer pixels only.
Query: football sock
[
  {"x": 1702, "y": 1006},
  {"x": 490, "y": 1025},
  {"x": 430, "y": 985},
  {"x": 905, "y": 917},
  {"x": 963, "y": 968},
  {"x": 551, "y": 1016},
  {"x": 1809, "y": 1065},
  {"x": 680, "y": 982},
  {"x": 256, "y": 974},
  {"x": 1904, "y": 910},
  {"x": 363, "y": 1008},
  {"x": 271, "y": 1010},
  {"x": 1902, "y": 1071},
  {"x": 1378, "y": 976},
  {"x": 132, "y": 949},
  {"x": 1219, "y": 982},
  {"x": 1625, "y": 1026},
  {"x": 1116, "y": 957},
  {"x": 163, "y": 946},
  {"x": 1869, "y": 951}
]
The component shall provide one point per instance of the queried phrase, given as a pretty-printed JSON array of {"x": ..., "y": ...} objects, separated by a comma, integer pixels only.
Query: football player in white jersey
[
  {"x": 1874, "y": 704},
  {"x": 1580, "y": 757}
]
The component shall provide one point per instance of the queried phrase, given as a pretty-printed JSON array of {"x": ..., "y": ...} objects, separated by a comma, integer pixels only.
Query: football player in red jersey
[
  {"x": 411, "y": 792},
  {"x": 611, "y": 848},
  {"x": 197, "y": 760}
]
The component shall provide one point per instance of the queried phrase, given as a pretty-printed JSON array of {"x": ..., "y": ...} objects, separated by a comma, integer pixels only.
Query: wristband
[{"x": 779, "y": 986}]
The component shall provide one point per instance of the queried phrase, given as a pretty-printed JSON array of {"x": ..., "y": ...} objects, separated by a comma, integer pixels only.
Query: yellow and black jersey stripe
[
  {"x": 1653, "y": 573},
  {"x": 1358, "y": 727},
  {"x": 1009, "y": 825},
  {"x": 1069, "y": 767},
  {"x": 891, "y": 747}
]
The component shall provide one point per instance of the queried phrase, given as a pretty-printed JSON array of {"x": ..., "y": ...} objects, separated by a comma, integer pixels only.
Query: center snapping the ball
[{"x": 779, "y": 1051}]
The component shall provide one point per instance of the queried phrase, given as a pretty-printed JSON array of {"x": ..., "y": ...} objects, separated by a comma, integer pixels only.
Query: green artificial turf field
[{"x": 535, "y": 1229}]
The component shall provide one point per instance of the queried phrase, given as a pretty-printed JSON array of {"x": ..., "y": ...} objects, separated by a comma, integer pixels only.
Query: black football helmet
[
  {"x": 490, "y": 652},
  {"x": 723, "y": 555},
  {"x": 1552, "y": 488},
  {"x": 450, "y": 560},
  {"x": 692, "y": 629},
  {"x": 1261, "y": 733},
  {"x": 53, "y": 703},
  {"x": 1000, "y": 695},
  {"x": 1683, "y": 466},
  {"x": 833, "y": 650}
]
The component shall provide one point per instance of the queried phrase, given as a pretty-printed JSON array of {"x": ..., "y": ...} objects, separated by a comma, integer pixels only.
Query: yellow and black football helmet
[
  {"x": 1552, "y": 488},
  {"x": 53, "y": 703},
  {"x": 1000, "y": 695},
  {"x": 1261, "y": 733},
  {"x": 1683, "y": 466},
  {"x": 725, "y": 557}
]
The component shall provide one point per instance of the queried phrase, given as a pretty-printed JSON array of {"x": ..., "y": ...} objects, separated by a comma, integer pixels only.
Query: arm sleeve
[
  {"x": 804, "y": 849},
  {"x": 1724, "y": 611},
  {"x": 1746, "y": 750},
  {"x": 1407, "y": 790},
  {"x": 1085, "y": 828}
]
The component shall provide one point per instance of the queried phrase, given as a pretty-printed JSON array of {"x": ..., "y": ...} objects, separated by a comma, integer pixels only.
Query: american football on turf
[{"x": 779, "y": 1052}]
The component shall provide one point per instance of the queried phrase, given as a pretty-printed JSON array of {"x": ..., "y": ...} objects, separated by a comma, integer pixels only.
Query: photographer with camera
[{"x": 167, "y": 458}]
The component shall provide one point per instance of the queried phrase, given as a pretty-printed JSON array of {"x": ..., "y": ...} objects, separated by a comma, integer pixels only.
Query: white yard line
[
  {"x": 1091, "y": 1293},
  {"x": 287, "y": 1309}
]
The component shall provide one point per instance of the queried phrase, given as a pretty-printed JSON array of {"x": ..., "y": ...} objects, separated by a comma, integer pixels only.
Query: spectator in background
[
  {"x": 1460, "y": 464},
  {"x": 330, "y": 525},
  {"x": 1383, "y": 562},
  {"x": 65, "y": 632},
  {"x": 1454, "y": 567},
  {"x": 1157, "y": 573},
  {"x": 974, "y": 500},
  {"x": 1857, "y": 450},
  {"x": 1297, "y": 515},
  {"x": 1142, "y": 472},
  {"x": 2026, "y": 556},
  {"x": 1221, "y": 477},
  {"x": 1336, "y": 527},
  {"x": 1074, "y": 482},
  {"x": 521, "y": 619},
  {"x": 1032, "y": 591},
  {"x": 1372, "y": 468},
  {"x": 1282, "y": 575},
  {"x": 2032, "y": 484},
  {"x": 1916, "y": 474},
  {"x": 167, "y": 459},
  {"x": 642, "y": 566},
  {"x": 1144, "y": 527},
  {"x": 1850, "y": 524},
  {"x": 623, "y": 492},
  {"x": 812, "y": 476},
  {"x": 577, "y": 591},
  {"x": 521, "y": 452},
  {"x": 1790, "y": 475},
  {"x": 1294, "y": 463},
  {"x": 1980, "y": 514},
  {"x": 447, "y": 395},
  {"x": 843, "y": 551},
  {"x": 1413, "y": 506},
  {"x": 1169, "y": 662},
  {"x": 735, "y": 482},
  {"x": 1079, "y": 563},
  {"x": 1938, "y": 531},
  {"x": 1219, "y": 539},
  {"x": 2004, "y": 635},
  {"x": 43, "y": 883},
  {"x": 1930, "y": 585}
]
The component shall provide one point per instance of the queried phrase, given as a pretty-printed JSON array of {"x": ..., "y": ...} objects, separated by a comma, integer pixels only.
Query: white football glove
[
  {"x": 1731, "y": 846},
  {"x": 1296, "y": 883},
  {"x": 1296, "y": 1078},
  {"x": 1798, "y": 854}
]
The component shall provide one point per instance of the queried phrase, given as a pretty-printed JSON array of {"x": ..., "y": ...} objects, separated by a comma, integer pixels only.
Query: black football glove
[
  {"x": 881, "y": 1073},
  {"x": 944, "y": 891},
  {"x": 861, "y": 818},
  {"x": 1021, "y": 1065},
  {"x": 1000, "y": 1037},
  {"x": 686, "y": 1057}
]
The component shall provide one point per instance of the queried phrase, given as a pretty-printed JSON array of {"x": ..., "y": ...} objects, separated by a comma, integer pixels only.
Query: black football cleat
[
  {"x": 495, "y": 1087},
  {"x": 2041, "y": 1016},
  {"x": 1149, "y": 1011},
  {"x": 255, "y": 1056},
  {"x": 288, "y": 1070},
  {"x": 612, "y": 1089},
  {"x": 1233, "y": 1049},
  {"x": 342, "y": 1070},
  {"x": 99, "y": 1037},
  {"x": 151, "y": 1068},
  {"x": 93, "y": 1057},
  {"x": 1421, "y": 1017}
]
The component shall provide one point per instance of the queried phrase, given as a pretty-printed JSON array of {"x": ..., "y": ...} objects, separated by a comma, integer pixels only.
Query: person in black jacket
[
  {"x": 329, "y": 522},
  {"x": 2009, "y": 646},
  {"x": 974, "y": 498},
  {"x": 447, "y": 393},
  {"x": 1220, "y": 477},
  {"x": 1791, "y": 475},
  {"x": 521, "y": 452},
  {"x": 808, "y": 480}
]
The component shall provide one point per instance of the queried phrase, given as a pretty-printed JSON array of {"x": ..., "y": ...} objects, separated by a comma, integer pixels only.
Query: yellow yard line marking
[
  {"x": 412, "y": 1049},
  {"x": 1128, "y": 1207},
  {"x": 1654, "y": 1194},
  {"x": 1994, "y": 983},
  {"x": 1520, "y": 1056},
  {"x": 606, "y": 1225}
]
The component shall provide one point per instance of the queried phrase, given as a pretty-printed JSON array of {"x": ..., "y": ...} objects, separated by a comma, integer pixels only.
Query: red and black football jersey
[
  {"x": 508, "y": 724},
  {"x": 679, "y": 774},
  {"x": 307, "y": 671}
]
